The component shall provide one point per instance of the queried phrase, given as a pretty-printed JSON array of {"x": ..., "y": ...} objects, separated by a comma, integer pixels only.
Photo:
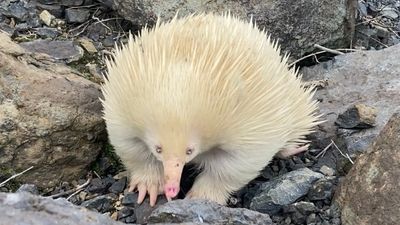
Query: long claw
[
  {"x": 142, "y": 193},
  {"x": 153, "y": 192}
]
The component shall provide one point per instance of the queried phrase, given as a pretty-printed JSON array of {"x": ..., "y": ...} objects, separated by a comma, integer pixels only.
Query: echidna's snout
[{"x": 172, "y": 177}]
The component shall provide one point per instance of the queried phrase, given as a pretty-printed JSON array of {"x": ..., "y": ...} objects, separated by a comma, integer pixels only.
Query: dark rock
[
  {"x": 72, "y": 2},
  {"x": 76, "y": 15},
  {"x": 118, "y": 186},
  {"x": 358, "y": 116},
  {"x": 370, "y": 192},
  {"x": 102, "y": 204},
  {"x": 283, "y": 190},
  {"x": 59, "y": 50},
  {"x": 321, "y": 189},
  {"x": 46, "y": 32},
  {"x": 30, "y": 188},
  {"x": 205, "y": 212},
  {"x": 126, "y": 215},
  {"x": 299, "y": 211},
  {"x": 54, "y": 9},
  {"x": 129, "y": 199},
  {"x": 98, "y": 185},
  {"x": 24, "y": 208},
  {"x": 17, "y": 10}
]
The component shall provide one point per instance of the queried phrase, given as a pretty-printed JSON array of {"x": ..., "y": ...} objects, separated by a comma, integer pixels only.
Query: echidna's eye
[
  {"x": 158, "y": 149},
  {"x": 189, "y": 151}
]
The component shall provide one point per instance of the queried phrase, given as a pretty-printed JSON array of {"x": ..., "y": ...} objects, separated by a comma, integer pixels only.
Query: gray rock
[
  {"x": 390, "y": 13},
  {"x": 26, "y": 209},
  {"x": 50, "y": 118},
  {"x": 370, "y": 192},
  {"x": 327, "y": 171},
  {"x": 289, "y": 21},
  {"x": 76, "y": 15},
  {"x": 205, "y": 212},
  {"x": 98, "y": 185},
  {"x": 367, "y": 77},
  {"x": 59, "y": 50},
  {"x": 46, "y": 32},
  {"x": 299, "y": 211},
  {"x": 101, "y": 203},
  {"x": 72, "y": 2},
  {"x": 30, "y": 188},
  {"x": 54, "y": 9},
  {"x": 283, "y": 190}
]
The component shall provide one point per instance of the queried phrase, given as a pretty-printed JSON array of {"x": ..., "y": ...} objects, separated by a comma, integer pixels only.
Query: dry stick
[
  {"x": 14, "y": 176},
  {"x": 328, "y": 49},
  {"x": 323, "y": 151},
  {"x": 346, "y": 156},
  {"x": 320, "y": 52},
  {"x": 80, "y": 187}
]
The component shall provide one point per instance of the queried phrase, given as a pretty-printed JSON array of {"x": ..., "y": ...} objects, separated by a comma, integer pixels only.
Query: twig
[
  {"x": 77, "y": 189},
  {"x": 324, "y": 151},
  {"x": 346, "y": 156},
  {"x": 14, "y": 176},
  {"x": 320, "y": 52},
  {"x": 99, "y": 21},
  {"x": 97, "y": 175},
  {"x": 328, "y": 49}
]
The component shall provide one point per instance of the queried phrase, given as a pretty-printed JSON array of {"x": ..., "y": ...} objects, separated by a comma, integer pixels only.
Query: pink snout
[{"x": 171, "y": 190}]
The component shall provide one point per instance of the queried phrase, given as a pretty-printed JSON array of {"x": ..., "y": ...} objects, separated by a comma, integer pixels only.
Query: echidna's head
[{"x": 174, "y": 147}]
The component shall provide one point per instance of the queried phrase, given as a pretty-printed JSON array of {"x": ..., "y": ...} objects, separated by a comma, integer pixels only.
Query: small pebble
[{"x": 327, "y": 171}]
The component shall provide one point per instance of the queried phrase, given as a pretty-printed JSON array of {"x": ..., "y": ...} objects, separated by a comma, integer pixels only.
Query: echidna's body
[{"x": 208, "y": 89}]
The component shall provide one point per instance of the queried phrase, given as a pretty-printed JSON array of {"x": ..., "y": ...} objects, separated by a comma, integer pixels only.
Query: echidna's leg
[
  {"x": 224, "y": 173},
  {"x": 146, "y": 178},
  {"x": 292, "y": 151},
  {"x": 146, "y": 173}
]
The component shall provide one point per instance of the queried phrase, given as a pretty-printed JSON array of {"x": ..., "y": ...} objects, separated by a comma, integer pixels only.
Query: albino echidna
[{"x": 207, "y": 89}]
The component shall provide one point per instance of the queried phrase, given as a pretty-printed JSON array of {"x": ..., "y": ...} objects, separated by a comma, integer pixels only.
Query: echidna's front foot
[
  {"x": 210, "y": 191},
  {"x": 146, "y": 187}
]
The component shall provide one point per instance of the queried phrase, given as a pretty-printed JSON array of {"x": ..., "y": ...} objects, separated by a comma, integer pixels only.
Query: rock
[
  {"x": 46, "y": 32},
  {"x": 59, "y": 50},
  {"x": 370, "y": 192},
  {"x": 76, "y": 15},
  {"x": 289, "y": 21},
  {"x": 283, "y": 190},
  {"x": 22, "y": 11},
  {"x": 54, "y": 9},
  {"x": 50, "y": 118},
  {"x": 126, "y": 215},
  {"x": 87, "y": 44},
  {"x": 46, "y": 17},
  {"x": 30, "y": 188},
  {"x": 366, "y": 77},
  {"x": 118, "y": 186},
  {"x": 72, "y": 2},
  {"x": 98, "y": 185},
  {"x": 205, "y": 212},
  {"x": 322, "y": 189},
  {"x": 390, "y": 13},
  {"x": 142, "y": 211},
  {"x": 24, "y": 208},
  {"x": 300, "y": 211},
  {"x": 358, "y": 116},
  {"x": 327, "y": 171},
  {"x": 102, "y": 203}
]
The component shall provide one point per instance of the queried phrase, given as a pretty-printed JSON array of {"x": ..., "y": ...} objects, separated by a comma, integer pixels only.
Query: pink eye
[
  {"x": 189, "y": 151},
  {"x": 158, "y": 149}
]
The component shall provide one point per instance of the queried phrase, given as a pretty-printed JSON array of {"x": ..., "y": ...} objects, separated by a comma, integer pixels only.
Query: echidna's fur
[{"x": 211, "y": 83}]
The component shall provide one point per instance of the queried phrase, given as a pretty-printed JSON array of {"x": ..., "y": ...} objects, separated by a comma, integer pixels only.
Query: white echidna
[{"x": 208, "y": 89}]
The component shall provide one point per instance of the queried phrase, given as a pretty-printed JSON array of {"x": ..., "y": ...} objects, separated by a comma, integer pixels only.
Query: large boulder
[
  {"x": 298, "y": 24},
  {"x": 50, "y": 118},
  {"x": 26, "y": 209},
  {"x": 370, "y": 193},
  {"x": 370, "y": 78}
]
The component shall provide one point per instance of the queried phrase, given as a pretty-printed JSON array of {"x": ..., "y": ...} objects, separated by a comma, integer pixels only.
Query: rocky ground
[{"x": 298, "y": 190}]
